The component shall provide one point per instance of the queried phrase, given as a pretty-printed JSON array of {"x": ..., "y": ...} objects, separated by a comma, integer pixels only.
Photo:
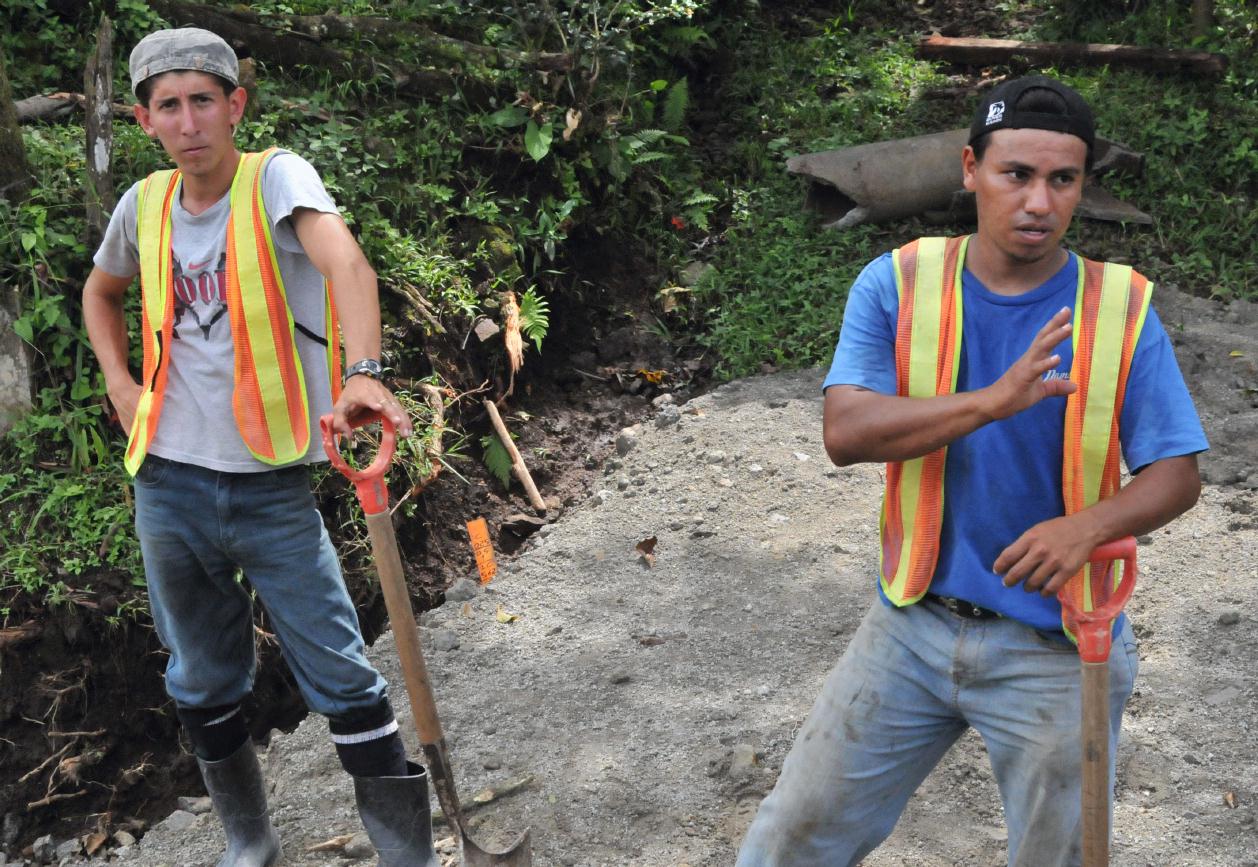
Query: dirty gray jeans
[{"x": 910, "y": 682}]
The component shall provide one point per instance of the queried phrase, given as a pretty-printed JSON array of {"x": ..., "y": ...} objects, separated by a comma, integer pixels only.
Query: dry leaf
[
  {"x": 668, "y": 297},
  {"x": 466, "y": 610},
  {"x": 1229, "y": 798},
  {"x": 646, "y": 549},
  {"x": 655, "y": 377},
  {"x": 336, "y": 844},
  {"x": 511, "y": 337},
  {"x": 505, "y": 616},
  {"x": 571, "y": 121}
]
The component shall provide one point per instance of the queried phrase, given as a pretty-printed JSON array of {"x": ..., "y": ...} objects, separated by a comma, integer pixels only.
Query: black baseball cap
[{"x": 998, "y": 110}]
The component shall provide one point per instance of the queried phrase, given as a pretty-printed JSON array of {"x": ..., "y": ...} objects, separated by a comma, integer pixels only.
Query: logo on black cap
[{"x": 995, "y": 112}]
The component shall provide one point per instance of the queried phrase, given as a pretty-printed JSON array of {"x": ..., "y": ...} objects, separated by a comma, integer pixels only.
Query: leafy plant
[
  {"x": 534, "y": 316},
  {"x": 496, "y": 458},
  {"x": 675, "y": 105}
]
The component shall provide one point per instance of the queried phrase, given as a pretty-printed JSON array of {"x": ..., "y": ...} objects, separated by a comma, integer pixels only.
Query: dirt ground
[{"x": 647, "y": 708}]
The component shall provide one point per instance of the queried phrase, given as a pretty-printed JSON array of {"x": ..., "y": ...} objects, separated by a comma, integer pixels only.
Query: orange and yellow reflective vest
[
  {"x": 269, "y": 398},
  {"x": 1110, "y": 307}
]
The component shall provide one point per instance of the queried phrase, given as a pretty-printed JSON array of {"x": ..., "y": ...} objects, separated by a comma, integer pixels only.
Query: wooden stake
[{"x": 517, "y": 462}]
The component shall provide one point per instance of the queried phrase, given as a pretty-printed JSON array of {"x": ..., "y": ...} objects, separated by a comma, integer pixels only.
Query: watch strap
[{"x": 370, "y": 367}]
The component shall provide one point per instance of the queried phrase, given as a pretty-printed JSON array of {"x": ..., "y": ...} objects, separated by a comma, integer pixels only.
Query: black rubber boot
[
  {"x": 238, "y": 791},
  {"x": 396, "y": 813}
]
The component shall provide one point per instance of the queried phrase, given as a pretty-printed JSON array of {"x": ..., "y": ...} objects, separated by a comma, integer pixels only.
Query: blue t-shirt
[{"x": 1005, "y": 477}]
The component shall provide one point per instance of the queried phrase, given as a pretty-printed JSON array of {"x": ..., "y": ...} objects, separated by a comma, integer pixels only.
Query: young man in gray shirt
[{"x": 238, "y": 255}]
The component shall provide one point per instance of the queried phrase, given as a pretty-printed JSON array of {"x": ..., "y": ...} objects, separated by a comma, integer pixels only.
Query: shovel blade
[{"x": 518, "y": 854}]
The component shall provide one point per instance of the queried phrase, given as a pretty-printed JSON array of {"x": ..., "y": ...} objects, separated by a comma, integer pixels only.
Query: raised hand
[{"x": 1023, "y": 384}]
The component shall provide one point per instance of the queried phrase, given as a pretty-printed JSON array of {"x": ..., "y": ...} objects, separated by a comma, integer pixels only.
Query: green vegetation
[{"x": 664, "y": 139}]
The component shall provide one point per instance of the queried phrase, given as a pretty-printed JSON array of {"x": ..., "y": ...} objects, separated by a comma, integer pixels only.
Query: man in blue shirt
[{"x": 984, "y": 647}]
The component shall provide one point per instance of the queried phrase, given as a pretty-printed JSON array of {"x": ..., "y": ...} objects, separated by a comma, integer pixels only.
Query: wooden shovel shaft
[
  {"x": 397, "y": 601},
  {"x": 1095, "y": 747}
]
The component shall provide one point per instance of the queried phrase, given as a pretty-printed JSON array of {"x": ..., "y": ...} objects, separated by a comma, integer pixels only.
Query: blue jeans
[
  {"x": 197, "y": 527},
  {"x": 910, "y": 682}
]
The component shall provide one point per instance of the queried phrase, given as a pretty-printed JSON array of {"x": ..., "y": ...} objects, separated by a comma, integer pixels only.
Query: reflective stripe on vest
[
  {"x": 269, "y": 399},
  {"x": 270, "y": 402},
  {"x": 152, "y": 223},
  {"x": 927, "y": 354},
  {"x": 1110, "y": 307}
]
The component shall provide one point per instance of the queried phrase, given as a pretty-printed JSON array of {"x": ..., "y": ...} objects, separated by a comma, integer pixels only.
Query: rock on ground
[{"x": 651, "y": 704}]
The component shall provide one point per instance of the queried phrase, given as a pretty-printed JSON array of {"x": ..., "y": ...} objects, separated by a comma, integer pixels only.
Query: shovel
[
  {"x": 1092, "y": 630},
  {"x": 373, "y": 494}
]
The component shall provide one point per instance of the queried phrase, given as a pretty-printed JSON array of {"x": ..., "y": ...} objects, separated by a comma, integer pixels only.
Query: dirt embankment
[{"x": 649, "y": 706}]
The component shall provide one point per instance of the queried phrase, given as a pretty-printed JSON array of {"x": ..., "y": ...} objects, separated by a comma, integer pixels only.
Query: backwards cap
[
  {"x": 187, "y": 49},
  {"x": 998, "y": 110}
]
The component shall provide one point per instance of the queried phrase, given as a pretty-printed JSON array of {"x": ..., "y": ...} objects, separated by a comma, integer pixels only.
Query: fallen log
[
  {"x": 983, "y": 52},
  {"x": 58, "y": 105}
]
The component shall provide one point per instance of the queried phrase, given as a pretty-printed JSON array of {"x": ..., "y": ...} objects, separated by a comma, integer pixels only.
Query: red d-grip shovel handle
[
  {"x": 368, "y": 483},
  {"x": 1092, "y": 628}
]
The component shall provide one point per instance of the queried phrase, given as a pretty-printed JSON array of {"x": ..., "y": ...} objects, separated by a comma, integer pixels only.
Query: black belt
[{"x": 963, "y": 608}]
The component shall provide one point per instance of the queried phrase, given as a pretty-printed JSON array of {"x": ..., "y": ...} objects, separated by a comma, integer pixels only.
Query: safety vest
[
  {"x": 269, "y": 398},
  {"x": 1111, "y": 302}
]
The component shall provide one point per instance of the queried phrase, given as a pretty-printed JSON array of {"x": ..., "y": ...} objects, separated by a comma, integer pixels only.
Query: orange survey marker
[{"x": 478, "y": 532}]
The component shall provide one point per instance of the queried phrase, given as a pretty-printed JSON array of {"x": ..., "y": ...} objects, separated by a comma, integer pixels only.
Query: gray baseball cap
[{"x": 182, "y": 50}]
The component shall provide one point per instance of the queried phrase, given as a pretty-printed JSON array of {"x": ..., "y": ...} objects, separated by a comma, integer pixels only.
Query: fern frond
[
  {"x": 496, "y": 458},
  {"x": 534, "y": 316},
  {"x": 675, "y": 105}
]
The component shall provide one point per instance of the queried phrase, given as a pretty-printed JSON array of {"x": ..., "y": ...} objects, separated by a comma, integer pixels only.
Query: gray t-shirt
[{"x": 197, "y": 424}]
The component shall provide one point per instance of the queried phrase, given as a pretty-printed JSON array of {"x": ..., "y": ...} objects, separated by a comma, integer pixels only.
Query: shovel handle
[
  {"x": 1092, "y": 628},
  {"x": 374, "y": 496},
  {"x": 1094, "y": 748},
  {"x": 369, "y": 484}
]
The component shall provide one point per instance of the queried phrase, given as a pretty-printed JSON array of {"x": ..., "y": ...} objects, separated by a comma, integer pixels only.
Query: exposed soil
[{"x": 646, "y": 707}]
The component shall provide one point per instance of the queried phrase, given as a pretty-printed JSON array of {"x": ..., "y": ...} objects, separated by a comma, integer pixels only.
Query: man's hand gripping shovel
[
  {"x": 1092, "y": 630},
  {"x": 373, "y": 494}
]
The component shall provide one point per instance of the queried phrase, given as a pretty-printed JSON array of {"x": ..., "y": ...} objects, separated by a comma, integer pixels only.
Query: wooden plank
[{"x": 984, "y": 52}]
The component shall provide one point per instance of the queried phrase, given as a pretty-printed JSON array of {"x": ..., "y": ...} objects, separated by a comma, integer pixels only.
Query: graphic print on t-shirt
[{"x": 200, "y": 294}]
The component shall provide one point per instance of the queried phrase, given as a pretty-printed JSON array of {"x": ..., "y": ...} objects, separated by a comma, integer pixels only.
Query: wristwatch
[{"x": 367, "y": 367}]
